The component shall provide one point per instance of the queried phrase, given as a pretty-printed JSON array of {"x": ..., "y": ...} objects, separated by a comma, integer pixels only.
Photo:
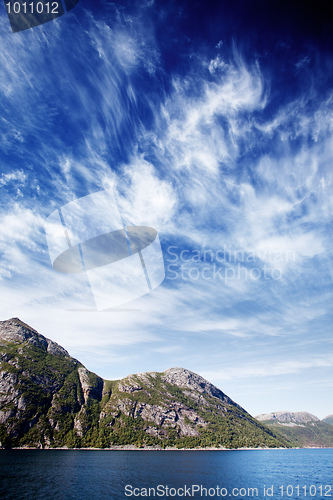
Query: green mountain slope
[
  {"x": 48, "y": 399},
  {"x": 301, "y": 429}
]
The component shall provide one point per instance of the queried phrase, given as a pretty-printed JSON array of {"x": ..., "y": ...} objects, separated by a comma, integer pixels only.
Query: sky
[{"x": 212, "y": 123}]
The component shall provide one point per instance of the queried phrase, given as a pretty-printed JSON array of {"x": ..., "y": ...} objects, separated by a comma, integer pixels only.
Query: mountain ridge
[
  {"x": 49, "y": 399},
  {"x": 288, "y": 417}
]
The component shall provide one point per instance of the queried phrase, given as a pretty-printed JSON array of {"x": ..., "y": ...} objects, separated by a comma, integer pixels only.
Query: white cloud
[
  {"x": 270, "y": 369},
  {"x": 144, "y": 198},
  {"x": 18, "y": 225},
  {"x": 16, "y": 176},
  {"x": 216, "y": 64}
]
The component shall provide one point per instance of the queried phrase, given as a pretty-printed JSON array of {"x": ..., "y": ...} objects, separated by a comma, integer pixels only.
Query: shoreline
[{"x": 152, "y": 448}]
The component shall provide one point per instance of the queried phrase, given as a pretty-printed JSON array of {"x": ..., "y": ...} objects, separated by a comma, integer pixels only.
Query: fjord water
[{"x": 104, "y": 474}]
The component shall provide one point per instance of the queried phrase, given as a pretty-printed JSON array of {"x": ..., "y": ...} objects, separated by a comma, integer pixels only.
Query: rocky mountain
[
  {"x": 288, "y": 418},
  {"x": 49, "y": 399},
  {"x": 301, "y": 429}
]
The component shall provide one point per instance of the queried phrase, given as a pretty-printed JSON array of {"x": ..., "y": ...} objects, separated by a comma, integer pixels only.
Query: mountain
[
  {"x": 328, "y": 419},
  {"x": 288, "y": 418},
  {"x": 301, "y": 429},
  {"x": 49, "y": 399}
]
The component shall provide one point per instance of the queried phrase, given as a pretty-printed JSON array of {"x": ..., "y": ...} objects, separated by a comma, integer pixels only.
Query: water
[{"x": 103, "y": 474}]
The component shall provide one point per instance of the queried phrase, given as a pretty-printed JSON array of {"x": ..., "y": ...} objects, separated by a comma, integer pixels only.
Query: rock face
[
  {"x": 186, "y": 379},
  {"x": 48, "y": 399},
  {"x": 14, "y": 330}
]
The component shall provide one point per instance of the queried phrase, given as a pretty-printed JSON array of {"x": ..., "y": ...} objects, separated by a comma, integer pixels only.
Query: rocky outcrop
[
  {"x": 15, "y": 330},
  {"x": 195, "y": 383},
  {"x": 173, "y": 416},
  {"x": 92, "y": 386},
  {"x": 9, "y": 396}
]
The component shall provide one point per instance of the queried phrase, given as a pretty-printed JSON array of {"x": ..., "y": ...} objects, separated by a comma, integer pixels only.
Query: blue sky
[{"x": 212, "y": 122}]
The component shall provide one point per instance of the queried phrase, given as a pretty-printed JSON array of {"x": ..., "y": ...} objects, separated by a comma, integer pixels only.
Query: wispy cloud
[{"x": 265, "y": 369}]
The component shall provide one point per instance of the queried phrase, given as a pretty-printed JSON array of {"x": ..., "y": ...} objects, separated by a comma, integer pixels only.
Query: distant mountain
[
  {"x": 301, "y": 429},
  {"x": 328, "y": 419},
  {"x": 288, "y": 418},
  {"x": 49, "y": 399}
]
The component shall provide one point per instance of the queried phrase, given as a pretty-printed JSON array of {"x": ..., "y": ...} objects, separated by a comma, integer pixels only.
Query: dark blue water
[{"x": 94, "y": 474}]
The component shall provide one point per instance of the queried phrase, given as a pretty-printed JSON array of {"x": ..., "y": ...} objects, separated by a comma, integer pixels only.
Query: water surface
[{"x": 105, "y": 474}]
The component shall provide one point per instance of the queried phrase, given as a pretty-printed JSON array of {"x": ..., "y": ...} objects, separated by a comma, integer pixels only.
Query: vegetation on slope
[{"x": 318, "y": 435}]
